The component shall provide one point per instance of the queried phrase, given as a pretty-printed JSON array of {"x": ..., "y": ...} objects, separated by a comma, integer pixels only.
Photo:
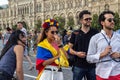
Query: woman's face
[
  {"x": 51, "y": 33},
  {"x": 22, "y": 40}
]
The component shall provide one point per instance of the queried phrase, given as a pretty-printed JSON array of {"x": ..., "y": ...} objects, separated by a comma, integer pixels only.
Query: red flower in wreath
[{"x": 50, "y": 22}]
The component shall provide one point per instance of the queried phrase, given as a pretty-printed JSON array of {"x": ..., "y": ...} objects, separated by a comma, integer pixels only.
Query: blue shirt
[{"x": 8, "y": 61}]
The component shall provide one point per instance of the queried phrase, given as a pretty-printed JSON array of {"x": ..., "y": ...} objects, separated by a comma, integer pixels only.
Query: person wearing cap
[
  {"x": 51, "y": 55},
  {"x": 104, "y": 49}
]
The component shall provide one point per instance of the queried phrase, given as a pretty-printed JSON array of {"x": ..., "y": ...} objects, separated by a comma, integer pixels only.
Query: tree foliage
[
  {"x": 61, "y": 21},
  {"x": 70, "y": 22},
  {"x": 95, "y": 23},
  {"x": 25, "y": 25},
  {"x": 38, "y": 24},
  {"x": 14, "y": 27},
  {"x": 117, "y": 21}
]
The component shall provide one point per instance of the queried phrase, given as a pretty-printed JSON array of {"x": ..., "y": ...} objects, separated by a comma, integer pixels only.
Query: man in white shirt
[
  {"x": 20, "y": 27},
  {"x": 104, "y": 49}
]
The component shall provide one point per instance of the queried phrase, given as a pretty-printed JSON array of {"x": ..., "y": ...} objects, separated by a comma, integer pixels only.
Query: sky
[{"x": 2, "y": 2}]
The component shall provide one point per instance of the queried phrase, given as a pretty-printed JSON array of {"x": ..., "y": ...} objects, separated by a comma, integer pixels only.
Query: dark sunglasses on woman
[{"x": 54, "y": 32}]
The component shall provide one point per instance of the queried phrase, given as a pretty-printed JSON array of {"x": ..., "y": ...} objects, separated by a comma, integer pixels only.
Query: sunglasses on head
[
  {"x": 88, "y": 19},
  {"x": 111, "y": 19},
  {"x": 53, "y": 32}
]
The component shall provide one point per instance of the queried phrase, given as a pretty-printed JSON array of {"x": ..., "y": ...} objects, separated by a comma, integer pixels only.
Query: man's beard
[
  {"x": 87, "y": 25},
  {"x": 109, "y": 28}
]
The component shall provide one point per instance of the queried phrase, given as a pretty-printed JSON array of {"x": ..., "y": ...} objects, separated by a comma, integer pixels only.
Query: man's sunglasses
[
  {"x": 111, "y": 19},
  {"x": 88, "y": 19},
  {"x": 53, "y": 32}
]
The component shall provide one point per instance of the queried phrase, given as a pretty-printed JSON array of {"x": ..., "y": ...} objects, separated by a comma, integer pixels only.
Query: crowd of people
[{"x": 92, "y": 54}]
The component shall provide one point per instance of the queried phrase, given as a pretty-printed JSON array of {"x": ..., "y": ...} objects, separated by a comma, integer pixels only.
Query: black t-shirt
[{"x": 81, "y": 43}]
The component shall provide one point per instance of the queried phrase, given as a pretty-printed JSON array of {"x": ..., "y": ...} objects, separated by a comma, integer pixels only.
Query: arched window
[
  {"x": 40, "y": 8},
  {"x": 79, "y": 3},
  {"x": 18, "y": 11},
  {"x": 56, "y": 6},
  {"x": 27, "y": 9},
  {"x": 11, "y": 13},
  {"x": 71, "y": 4},
  {"x": 60, "y": 5},
  {"x": 37, "y": 8},
  {"x": 63, "y": 5}
]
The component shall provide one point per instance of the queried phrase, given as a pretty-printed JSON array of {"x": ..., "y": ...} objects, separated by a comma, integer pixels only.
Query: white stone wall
[{"x": 32, "y": 10}]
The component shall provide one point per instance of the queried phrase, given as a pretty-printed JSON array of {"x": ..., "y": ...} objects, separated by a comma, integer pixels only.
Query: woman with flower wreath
[{"x": 51, "y": 55}]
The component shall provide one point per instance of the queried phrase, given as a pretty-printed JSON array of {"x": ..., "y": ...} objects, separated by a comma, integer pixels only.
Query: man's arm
[
  {"x": 73, "y": 52},
  {"x": 79, "y": 54}
]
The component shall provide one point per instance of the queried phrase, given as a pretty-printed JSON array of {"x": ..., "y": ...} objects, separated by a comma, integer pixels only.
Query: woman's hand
[
  {"x": 51, "y": 60},
  {"x": 57, "y": 39},
  {"x": 58, "y": 54}
]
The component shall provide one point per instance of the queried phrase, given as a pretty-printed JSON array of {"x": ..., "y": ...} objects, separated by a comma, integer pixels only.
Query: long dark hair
[
  {"x": 13, "y": 40},
  {"x": 43, "y": 35}
]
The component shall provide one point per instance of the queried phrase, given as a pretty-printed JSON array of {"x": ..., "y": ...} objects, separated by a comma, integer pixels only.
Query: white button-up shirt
[{"x": 97, "y": 45}]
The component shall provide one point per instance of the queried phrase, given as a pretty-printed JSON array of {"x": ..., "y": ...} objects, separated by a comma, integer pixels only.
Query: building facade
[{"x": 30, "y": 11}]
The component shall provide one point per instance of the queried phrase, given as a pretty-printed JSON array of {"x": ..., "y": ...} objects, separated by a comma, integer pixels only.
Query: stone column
[
  {"x": 83, "y": 3},
  {"x": 75, "y": 19},
  {"x": 89, "y": 3}
]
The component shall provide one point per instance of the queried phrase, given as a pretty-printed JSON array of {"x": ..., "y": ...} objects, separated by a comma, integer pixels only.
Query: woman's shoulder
[{"x": 18, "y": 47}]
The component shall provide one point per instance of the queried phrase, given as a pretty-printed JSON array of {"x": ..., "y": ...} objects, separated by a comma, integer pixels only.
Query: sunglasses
[
  {"x": 111, "y": 19},
  {"x": 53, "y": 32},
  {"x": 88, "y": 19}
]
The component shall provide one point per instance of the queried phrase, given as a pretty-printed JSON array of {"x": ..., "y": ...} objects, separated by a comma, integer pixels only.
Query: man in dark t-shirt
[{"x": 80, "y": 42}]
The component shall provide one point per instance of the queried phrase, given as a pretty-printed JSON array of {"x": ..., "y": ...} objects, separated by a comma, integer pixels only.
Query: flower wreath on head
[{"x": 50, "y": 22}]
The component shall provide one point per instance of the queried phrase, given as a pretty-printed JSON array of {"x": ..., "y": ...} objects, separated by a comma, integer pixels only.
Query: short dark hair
[
  {"x": 20, "y": 22},
  {"x": 8, "y": 29},
  {"x": 102, "y": 17},
  {"x": 83, "y": 12}
]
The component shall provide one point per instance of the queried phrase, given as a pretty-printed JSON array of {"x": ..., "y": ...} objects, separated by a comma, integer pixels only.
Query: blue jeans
[{"x": 79, "y": 73}]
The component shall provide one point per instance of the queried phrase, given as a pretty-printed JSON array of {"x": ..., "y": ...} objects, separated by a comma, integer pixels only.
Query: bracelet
[{"x": 60, "y": 46}]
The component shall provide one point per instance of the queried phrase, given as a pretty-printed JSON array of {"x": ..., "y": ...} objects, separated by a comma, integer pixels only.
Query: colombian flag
[{"x": 46, "y": 51}]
